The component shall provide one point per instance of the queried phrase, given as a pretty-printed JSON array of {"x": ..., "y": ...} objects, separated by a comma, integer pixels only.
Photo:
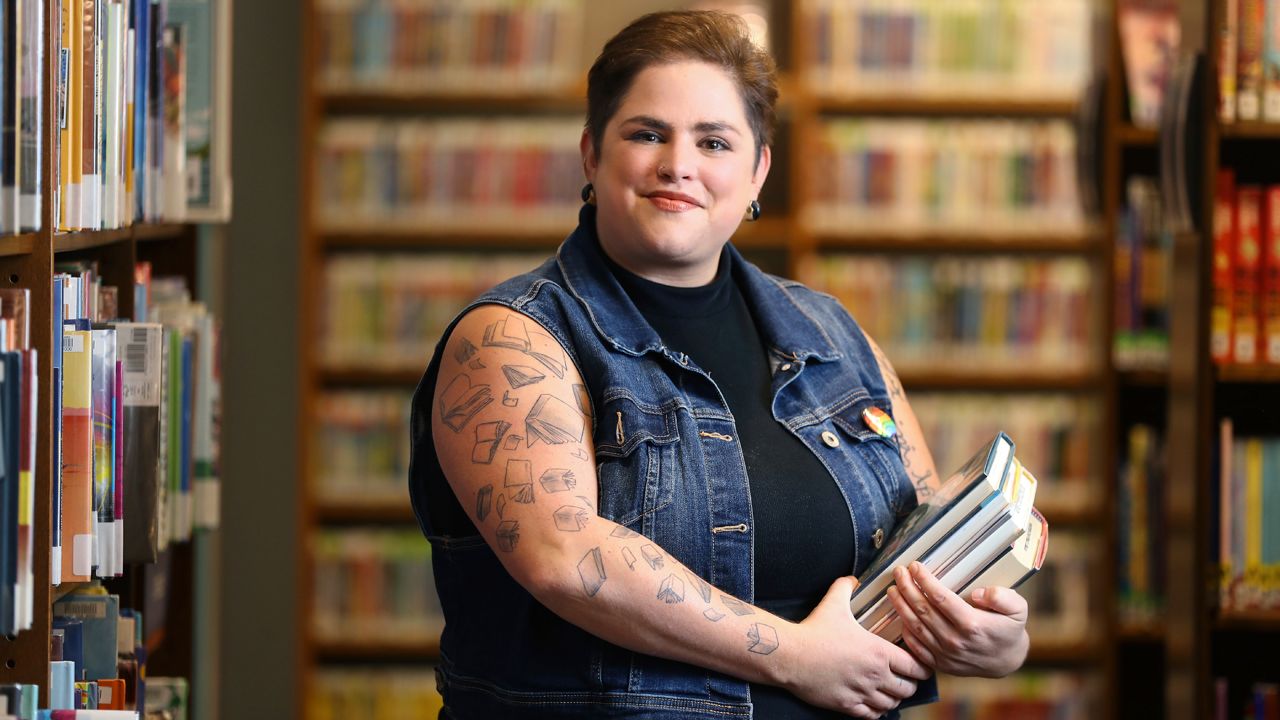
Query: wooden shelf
[
  {"x": 426, "y": 239},
  {"x": 409, "y": 649},
  {"x": 22, "y": 244},
  {"x": 404, "y": 377},
  {"x": 1251, "y": 131},
  {"x": 1057, "y": 652},
  {"x": 444, "y": 102},
  {"x": 944, "y": 106},
  {"x": 389, "y": 512},
  {"x": 1071, "y": 517},
  {"x": 1132, "y": 136},
  {"x": 1262, "y": 374},
  {"x": 943, "y": 241},
  {"x": 1141, "y": 633},
  {"x": 998, "y": 381},
  {"x": 1143, "y": 378},
  {"x": 84, "y": 239},
  {"x": 1267, "y": 621}
]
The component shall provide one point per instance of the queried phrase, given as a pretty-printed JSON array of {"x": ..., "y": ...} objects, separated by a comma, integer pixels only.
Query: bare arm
[
  {"x": 513, "y": 435},
  {"x": 916, "y": 457}
]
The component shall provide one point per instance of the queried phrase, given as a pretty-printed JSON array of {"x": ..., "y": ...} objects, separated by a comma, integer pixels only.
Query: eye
[
  {"x": 716, "y": 145},
  {"x": 646, "y": 136}
]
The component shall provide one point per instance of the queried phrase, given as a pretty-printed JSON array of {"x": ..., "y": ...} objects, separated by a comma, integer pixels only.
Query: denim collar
[{"x": 786, "y": 327}]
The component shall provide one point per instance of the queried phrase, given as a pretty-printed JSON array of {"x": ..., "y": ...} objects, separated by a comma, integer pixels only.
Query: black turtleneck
[{"x": 795, "y": 562}]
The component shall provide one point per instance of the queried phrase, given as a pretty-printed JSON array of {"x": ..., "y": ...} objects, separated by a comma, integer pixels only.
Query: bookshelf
[
  {"x": 786, "y": 240},
  {"x": 182, "y": 640}
]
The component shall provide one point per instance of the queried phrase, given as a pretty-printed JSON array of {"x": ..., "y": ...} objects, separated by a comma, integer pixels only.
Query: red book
[
  {"x": 1271, "y": 276},
  {"x": 1247, "y": 262},
  {"x": 1224, "y": 233}
]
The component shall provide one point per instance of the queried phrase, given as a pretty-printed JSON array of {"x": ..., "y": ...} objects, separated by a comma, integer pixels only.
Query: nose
[{"x": 676, "y": 164}]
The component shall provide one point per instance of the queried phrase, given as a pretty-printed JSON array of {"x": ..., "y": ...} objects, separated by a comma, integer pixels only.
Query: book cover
[
  {"x": 9, "y": 136},
  {"x": 104, "y": 402},
  {"x": 56, "y": 308},
  {"x": 31, "y": 119},
  {"x": 1226, "y": 443},
  {"x": 174, "y": 167},
  {"x": 974, "y": 485},
  {"x": 15, "y": 305},
  {"x": 90, "y": 115},
  {"x": 1150, "y": 35},
  {"x": 11, "y": 405},
  {"x": 141, "y": 355},
  {"x": 1228, "y": 41},
  {"x": 1249, "y": 60},
  {"x": 28, "y": 424},
  {"x": 62, "y": 685},
  {"x": 77, "y": 456},
  {"x": 72, "y": 631}
]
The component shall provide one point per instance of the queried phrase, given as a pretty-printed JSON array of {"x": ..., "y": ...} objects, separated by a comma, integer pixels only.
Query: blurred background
[{"x": 1060, "y": 218}]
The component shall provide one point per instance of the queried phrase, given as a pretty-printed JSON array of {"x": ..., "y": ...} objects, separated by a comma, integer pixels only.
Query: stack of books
[{"x": 978, "y": 530}]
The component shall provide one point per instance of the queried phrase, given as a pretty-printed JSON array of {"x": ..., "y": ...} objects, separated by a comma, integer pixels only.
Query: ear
[
  {"x": 589, "y": 160},
  {"x": 762, "y": 168}
]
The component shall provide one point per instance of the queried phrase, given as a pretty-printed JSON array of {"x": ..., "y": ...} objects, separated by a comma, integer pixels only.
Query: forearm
[{"x": 624, "y": 588}]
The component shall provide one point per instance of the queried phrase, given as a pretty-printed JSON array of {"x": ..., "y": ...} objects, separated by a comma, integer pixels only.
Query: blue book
[
  {"x": 72, "y": 630},
  {"x": 9, "y": 130},
  {"x": 62, "y": 685},
  {"x": 100, "y": 615},
  {"x": 10, "y": 403}
]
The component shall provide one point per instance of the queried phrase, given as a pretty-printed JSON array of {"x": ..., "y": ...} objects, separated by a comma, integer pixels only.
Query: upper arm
[
  {"x": 916, "y": 457},
  {"x": 511, "y": 423}
]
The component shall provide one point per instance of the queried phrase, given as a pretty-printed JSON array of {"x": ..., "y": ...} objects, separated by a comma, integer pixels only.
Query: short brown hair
[{"x": 711, "y": 36}]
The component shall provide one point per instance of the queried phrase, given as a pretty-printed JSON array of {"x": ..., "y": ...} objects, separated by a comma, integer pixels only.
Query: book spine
[
  {"x": 1229, "y": 43},
  {"x": 1246, "y": 269},
  {"x": 1249, "y": 60},
  {"x": 1225, "y": 229},
  {"x": 1271, "y": 276}
]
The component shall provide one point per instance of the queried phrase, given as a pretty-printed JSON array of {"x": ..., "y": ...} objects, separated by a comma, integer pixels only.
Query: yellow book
[{"x": 1253, "y": 503}]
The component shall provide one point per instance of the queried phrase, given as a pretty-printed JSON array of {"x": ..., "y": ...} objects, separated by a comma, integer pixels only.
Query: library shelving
[{"x": 1027, "y": 228}]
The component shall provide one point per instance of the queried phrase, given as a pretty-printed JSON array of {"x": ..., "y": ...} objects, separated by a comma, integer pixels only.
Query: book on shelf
[
  {"x": 1249, "y": 536},
  {"x": 1150, "y": 35},
  {"x": 1245, "y": 311},
  {"x": 969, "y": 522}
]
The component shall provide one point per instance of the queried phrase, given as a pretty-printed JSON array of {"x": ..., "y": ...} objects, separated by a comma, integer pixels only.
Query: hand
[
  {"x": 985, "y": 637},
  {"x": 841, "y": 666}
]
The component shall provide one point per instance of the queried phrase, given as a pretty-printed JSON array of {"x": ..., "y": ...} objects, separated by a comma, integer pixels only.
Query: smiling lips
[{"x": 673, "y": 202}]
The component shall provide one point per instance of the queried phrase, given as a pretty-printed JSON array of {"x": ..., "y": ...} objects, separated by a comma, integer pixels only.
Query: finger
[
  {"x": 902, "y": 662},
  {"x": 948, "y": 604},
  {"x": 837, "y": 598},
  {"x": 918, "y": 649},
  {"x": 912, "y": 625},
  {"x": 1003, "y": 600},
  {"x": 933, "y": 626},
  {"x": 881, "y": 702},
  {"x": 898, "y": 687}
]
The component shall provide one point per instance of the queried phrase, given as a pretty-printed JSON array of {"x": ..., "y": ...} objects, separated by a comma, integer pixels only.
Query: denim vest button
[
  {"x": 830, "y": 439},
  {"x": 786, "y": 366},
  {"x": 877, "y": 538}
]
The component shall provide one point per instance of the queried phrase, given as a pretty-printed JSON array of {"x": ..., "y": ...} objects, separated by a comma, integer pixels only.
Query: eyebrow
[{"x": 702, "y": 127}]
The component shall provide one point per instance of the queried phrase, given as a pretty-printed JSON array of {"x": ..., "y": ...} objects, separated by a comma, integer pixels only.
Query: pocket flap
[{"x": 625, "y": 423}]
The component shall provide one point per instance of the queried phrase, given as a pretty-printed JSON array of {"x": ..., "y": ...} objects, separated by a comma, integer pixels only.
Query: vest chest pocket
[
  {"x": 879, "y": 455},
  {"x": 636, "y": 446}
]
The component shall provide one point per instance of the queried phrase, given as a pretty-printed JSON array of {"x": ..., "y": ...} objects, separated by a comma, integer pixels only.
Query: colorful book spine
[
  {"x": 1229, "y": 33},
  {"x": 31, "y": 117},
  {"x": 1249, "y": 60},
  {"x": 1271, "y": 61},
  {"x": 77, "y": 456},
  {"x": 1246, "y": 269},
  {"x": 1271, "y": 276},
  {"x": 1225, "y": 230}
]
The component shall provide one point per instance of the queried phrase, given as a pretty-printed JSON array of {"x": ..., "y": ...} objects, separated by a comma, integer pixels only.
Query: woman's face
[{"x": 675, "y": 173}]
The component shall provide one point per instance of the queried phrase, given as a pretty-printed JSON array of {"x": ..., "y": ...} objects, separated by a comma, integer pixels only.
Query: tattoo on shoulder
[
  {"x": 890, "y": 376},
  {"x": 519, "y": 481},
  {"x": 484, "y": 500},
  {"x": 461, "y": 400},
  {"x": 488, "y": 439},
  {"x": 571, "y": 518},
  {"x": 512, "y": 332},
  {"x": 508, "y": 535},
  {"x": 554, "y": 422},
  {"x": 763, "y": 639},
  {"x": 464, "y": 351}
]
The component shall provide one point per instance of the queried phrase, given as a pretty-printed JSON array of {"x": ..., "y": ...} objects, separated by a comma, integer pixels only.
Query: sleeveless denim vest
[{"x": 666, "y": 471}]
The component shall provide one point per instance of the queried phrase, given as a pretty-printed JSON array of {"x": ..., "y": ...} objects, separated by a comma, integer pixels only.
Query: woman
[{"x": 648, "y": 470}]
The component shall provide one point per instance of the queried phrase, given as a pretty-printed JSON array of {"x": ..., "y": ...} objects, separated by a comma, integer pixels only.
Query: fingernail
[
  {"x": 916, "y": 566},
  {"x": 979, "y": 594},
  {"x": 892, "y": 592}
]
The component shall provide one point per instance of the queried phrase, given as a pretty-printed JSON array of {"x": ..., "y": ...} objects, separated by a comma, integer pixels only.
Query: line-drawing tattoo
[
  {"x": 508, "y": 400},
  {"x": 558, "y": 480},
  {"x": 624, "y": 532},
  {"x": 584, "y": 400},
  {"x": 672, "y": 590},
  {"x": 513, "y": 442},
  {"x": 519, "y": 481},
  {"x": 591, "y": 570},
  {"x": 507, "y": 333},
  {"x": 501, "y": 504},
  {"x": 521, "y": 375},
  {"x": 702, "y": 586},
  {"x": 764, "y": 639},
  {"x": 464, "y": 351},
  {"x": 475, "y": 364},
  {"x": 579, "y": 453},
  {"x": 587, "y": 501},
  {"x": 713, "y": 615},
  {"x": 554, "y": 422},
  {"x": 488, "y": 437},
  {"x": 630, "y": 557},
  {"x": 512, "y": 333},
  {"x": 923, "y": 489},
  {"x": 651, "y": 556},
  {"x": 461, "y": 400},
  {"x": 736, "y": 606},
  {"x": 571, "y": 518},
  {"x": 508, "y": 535},
  {"x": 484, "y": 500},
  {"x": 890, "y": 376}
]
